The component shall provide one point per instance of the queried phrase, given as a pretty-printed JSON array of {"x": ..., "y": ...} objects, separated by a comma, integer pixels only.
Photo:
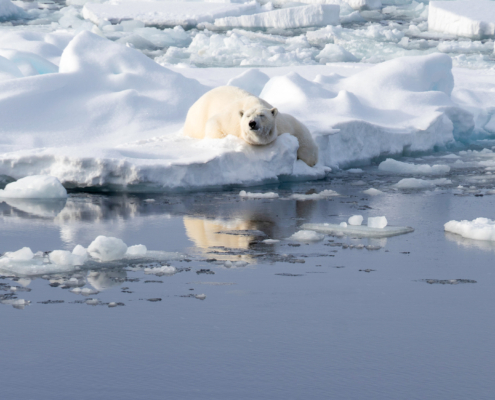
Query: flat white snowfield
[{"x": 474, "y": 19}]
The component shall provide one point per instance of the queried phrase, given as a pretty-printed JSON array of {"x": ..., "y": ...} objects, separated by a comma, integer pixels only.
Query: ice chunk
[
  {"x": 356, "y": 220},
  {"x": 163, "y": 13},
  {"x": 478, "y": 229},
  {"x": 271, "y": 241},
  {"x": 314, "y": 196},
  {"x": 414, "y": 183},
  {"x": 163, "y": 270},
  {"x": 107, "y": 248},
  {"x": 335, "y": 53},
  {"x": 397, "y": 167},
  {"x": 372, "y": 192},
  {"x": 249, "y": 195},
  {"x": 35, "y": 187},
  {"x": 364, "y": 4},
  {"x": 474, "y": 18},
  {"x": 307, "y": 236},
  {"x": 137, "y": 250},
  {"x": 343, "y": 224},
  {"x": 62, "y": 257},
  {"x": 252, "y": 81},
  {"x": 377, "y": 222},
  {"x": 359, "y": 231},
  {"x": 23, "y": 254},
  {"x": 286, "y": 18}
]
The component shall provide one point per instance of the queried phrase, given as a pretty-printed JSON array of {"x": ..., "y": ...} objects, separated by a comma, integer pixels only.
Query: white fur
[{"x": 228, "y": 110}]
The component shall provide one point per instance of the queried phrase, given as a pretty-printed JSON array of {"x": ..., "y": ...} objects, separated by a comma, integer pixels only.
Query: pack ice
[
  {"x": 164, "y": 13},
  {"x": 474, "y": 19}
]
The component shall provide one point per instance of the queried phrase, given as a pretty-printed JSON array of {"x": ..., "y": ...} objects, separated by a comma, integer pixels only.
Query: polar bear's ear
[
  {"x": 274, "y": 112},
  {"x": 241, "y": 113}
]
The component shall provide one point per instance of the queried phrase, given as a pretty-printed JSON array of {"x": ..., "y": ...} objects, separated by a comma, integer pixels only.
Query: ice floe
[
  {"x": 34, "y": 187},
  {"x": 164, "y": 13},
  {"x": 249, "y": 195},
  {"x": 324, "y": 194},
  {"x": 356, "y": 220},
  {"x": 415, "y": 183},
  {"x": 377, "y": 222},
  {"x": 287, "y": 18},
  {"x": 473, "y": 18},
  {"x": 478, "y": 229},
  {"x": 358, "y": 231},
  {"x": 398, "y": 167},
  {"x": 307, "y": 236}
]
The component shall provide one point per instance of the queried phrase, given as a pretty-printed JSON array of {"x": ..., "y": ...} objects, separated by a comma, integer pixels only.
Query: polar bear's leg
[
  {"x": 308, "y": 150},
  {"x": 213, "y": 128}
]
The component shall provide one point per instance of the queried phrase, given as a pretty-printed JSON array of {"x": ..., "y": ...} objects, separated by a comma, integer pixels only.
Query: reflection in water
[
  {"x": 102, "y": 280},
  {"x": 485, "y": 245},
  {"x": 45, "y": 208}
]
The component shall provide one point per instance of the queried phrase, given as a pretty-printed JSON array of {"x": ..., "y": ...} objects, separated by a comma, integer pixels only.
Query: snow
[
  {"x": 268, "y": 195},
  {"x": 478, "y": 229},
  {"x": 359, "y": 231},
  {"x": 306, "y": 236},
  {"x": 107, "y": 248},
  {"x": 164, "y": 13},
  {"x": 398, "y": 167},
  {"x": 474, "y": 19},
  {"x": 9, "y": 11},
  {"x": 356, "y": 220},
  {"x": 415, "y": 183},
  {"x": 324, "y": 194},
  {"x": 377, "y": 222},
  {"x": 34, "y": 187},
  {"x": 286, "y": 18}
]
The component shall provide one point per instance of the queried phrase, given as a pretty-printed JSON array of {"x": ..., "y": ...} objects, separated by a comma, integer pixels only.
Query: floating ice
[
  {"x": 414, "y": 183},
  {"x": 377, "y": 222},
  {"x": 478, "y": 229},
  {"x": 397, "y": 167},
  {"x": 335, "y": 53},
  {"x": 163, "y": 13},
  {"x": 356, "y": 220},
  {"x": 35, "y": 187},
  {"x": 62, "y": 257},
  {"x": 359, "y": 231},
  {"x": 473, "y": 18},
  {"x": 249, "y": 195},
  {"x": 107, "y": 248},
  {"x": 324, "y": 194},
  {"x": 343, "y": 224},
  {"x": 271, "y": 241},
  {"x": 23, "y": 254},
  {"x": 137, "y": 250},
  {"x": 162, "y": 270},
  {"x": 286, "y": 18},
  {"x": 307, "y": 236},
  {"x": 372, "y": 192}
]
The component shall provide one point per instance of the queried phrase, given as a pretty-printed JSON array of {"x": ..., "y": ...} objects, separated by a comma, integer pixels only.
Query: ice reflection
[
  {"x": 102, "y": 280},
  {"x": 36, "y": 207},
  {"x": 485, "y": 245}
]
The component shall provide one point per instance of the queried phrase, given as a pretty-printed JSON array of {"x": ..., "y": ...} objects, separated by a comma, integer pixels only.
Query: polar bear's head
[{"x": 258, "y": 125}]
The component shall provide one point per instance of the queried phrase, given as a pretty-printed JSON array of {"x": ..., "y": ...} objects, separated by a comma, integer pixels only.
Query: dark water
[{"x": 297, "y": 322}]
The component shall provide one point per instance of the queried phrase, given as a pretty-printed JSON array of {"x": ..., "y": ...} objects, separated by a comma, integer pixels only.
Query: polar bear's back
[{"x": 216, "y": 101}]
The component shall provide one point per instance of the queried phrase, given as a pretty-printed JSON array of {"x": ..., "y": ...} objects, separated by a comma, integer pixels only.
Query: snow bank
[
  {"x": 474, "y": 18},
  {"x": 388, "y": 108},
  {"x": 164, "y": 13},
  {"x": 287, "y": 18},
  {"x": 359, "y": 231},
  {"x": 268, "y": 195},
  {"x": 35, "y": 187},
  {"x": 9, "y": 11},
  {"x": 478, "y": 229},
  {"x": 397, "y": 167},
  {"x": 414, "y": 183}
]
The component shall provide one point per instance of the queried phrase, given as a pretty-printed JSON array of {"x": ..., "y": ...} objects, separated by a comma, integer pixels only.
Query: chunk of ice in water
[
  {"x": 307, "y": 236},
  {"x": 35, "y": 187},
  {"x": 23, "y": 254},
  {"x": 359, "y": 231},
  {"x": 107, "y": 248},
  {"x": 343, "y": 224},
  {"x": 137, "y": 250},
  {"x": 478, "y": 229},
  {"x": 355, "y": 220},
  {"x": 398, "y": 167},
  {"x": 249, "y": 195},
  {"x": 377, "y": 222},
  {"x": 372, "y": 192}
]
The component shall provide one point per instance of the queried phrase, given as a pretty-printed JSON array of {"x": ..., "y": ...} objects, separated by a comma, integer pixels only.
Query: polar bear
[{"x": 228, "y": 110}]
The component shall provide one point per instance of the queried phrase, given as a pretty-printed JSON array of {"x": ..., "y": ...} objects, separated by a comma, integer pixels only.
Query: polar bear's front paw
[{"x": 308, "y": 155}]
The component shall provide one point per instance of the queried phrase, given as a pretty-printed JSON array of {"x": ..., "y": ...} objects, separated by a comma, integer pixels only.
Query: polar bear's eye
[{"x": 241, "y": 113}]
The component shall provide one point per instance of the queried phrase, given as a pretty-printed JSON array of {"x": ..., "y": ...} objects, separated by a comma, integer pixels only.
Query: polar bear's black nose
[{"x": 252, "y": 124}]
